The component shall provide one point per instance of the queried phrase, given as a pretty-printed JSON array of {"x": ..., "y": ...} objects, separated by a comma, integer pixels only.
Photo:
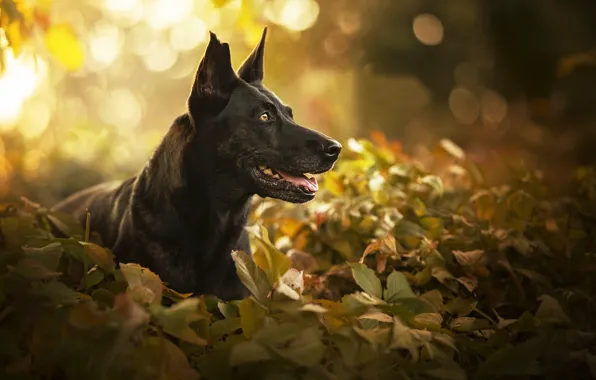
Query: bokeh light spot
[
  {"x": 349, "y": 22},
  {"x": 336, "y": 43},
  {"x": 295, "y": 15},
  {"x": 36, "y": 119},
  {"x": 121, "y": 108},
  {"x": 162, "y": 14},
  {"x": 160, "y": 56},
  {"x": 494, "y": 107},
  {"x": 188, "y": 34},
  {"x": 428, "y": 29},
  {"x": 31, "y": 162},
  {"x": 105, "y": 43},
  {"x": 120, "y": 5},
  {"x": 464, "y": 105}
]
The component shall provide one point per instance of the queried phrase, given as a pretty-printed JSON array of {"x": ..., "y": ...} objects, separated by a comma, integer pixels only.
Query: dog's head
[{"x": 253, "y": 133}]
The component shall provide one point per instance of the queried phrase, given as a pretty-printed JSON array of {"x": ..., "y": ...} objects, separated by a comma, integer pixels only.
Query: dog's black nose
[
  {"x": 333, "y": 149},
  {"x": 330, "y": 149}
]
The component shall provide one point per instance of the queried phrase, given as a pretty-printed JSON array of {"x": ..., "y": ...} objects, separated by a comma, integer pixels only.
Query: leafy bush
[{"x": 401, "y": 269}]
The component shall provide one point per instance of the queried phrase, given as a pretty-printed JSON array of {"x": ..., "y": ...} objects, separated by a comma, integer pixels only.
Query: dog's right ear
[
  {"x": 214, "y": 82},
  {"x": 252, "y": 69}
]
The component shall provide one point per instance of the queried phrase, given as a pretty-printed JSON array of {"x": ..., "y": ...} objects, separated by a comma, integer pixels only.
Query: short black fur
[{"x": 184, "y": 213}]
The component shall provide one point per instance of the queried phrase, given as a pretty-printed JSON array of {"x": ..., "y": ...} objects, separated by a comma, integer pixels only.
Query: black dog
[{"x": 184, "y": 213}]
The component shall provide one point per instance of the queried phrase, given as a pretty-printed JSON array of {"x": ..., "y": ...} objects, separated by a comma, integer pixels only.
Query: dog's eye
[{"x": 265, "y": 116}]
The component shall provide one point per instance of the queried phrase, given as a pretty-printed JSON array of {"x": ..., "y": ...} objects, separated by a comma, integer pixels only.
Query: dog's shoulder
[{"x": 106, "y": 202}]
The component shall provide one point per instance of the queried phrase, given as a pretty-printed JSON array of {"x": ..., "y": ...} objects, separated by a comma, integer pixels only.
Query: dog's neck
[{"x": 192, "y": 179}]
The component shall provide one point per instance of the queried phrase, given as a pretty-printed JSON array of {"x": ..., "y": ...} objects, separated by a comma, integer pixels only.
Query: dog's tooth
[
  {"x": 308, "y": 175},
  {"x": 276, "y": 176},
  {"x": 268, "y": 171},
  {"x": 262, "y": 167}
]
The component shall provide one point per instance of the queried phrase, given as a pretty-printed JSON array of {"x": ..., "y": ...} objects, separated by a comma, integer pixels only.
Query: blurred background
[{"x": 89, "y": 87}]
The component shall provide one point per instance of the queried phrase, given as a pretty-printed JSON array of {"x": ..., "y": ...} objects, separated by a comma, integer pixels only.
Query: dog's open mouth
[
  {"x": 291, "y": 187},
  {"x": 305, "y": 182}
]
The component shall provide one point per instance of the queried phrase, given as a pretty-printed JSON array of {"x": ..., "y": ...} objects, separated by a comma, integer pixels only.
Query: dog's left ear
[
  {"x": 251, "y": 70},
  {"x": 214, "y": 82}
]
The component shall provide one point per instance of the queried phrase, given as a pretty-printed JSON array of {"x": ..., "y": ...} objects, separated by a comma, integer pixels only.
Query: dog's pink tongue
[{"x": 310, "y": 183}]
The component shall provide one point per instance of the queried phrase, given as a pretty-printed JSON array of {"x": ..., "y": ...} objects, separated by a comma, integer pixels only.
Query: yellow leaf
[
  {"x": 273, "y": 262},
  {"x": 14, "y": 37},
  {"x": 64, "y": 46},
  {"x": 334, "y": 183},
  {"x": 485, "y": 204},
  {"x": 220, "y": 3}
]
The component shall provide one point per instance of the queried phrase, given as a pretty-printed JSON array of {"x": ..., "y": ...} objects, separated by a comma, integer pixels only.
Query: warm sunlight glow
[{"x": 17, "y": 84}]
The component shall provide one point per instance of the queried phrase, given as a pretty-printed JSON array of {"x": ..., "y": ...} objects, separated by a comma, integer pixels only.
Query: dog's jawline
[{"x": 171, "y": 220}]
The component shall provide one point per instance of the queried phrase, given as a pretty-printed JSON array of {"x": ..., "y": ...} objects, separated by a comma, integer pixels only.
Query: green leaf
[
  {"x": 228, "y": 309},
  {"x": 534, "y": 276},
  {"x": 223, "y": 327},
  {"x": 306, "y": 349},
  {"x": 512, "y": 361},
  {"x": 94, "y": 277},
  {"x": 176, "y": 320},
  {"x": 485, "y": 203},
  {"x": 378, "y": 337},
  {"x": 452, "y": 149},
  {"x": 49, "y": 255},
  {"x": 522, "y": 204},
  {"x": 397, "y": 287},
  {"x": 32, "y": 270},
  {"x": 467, "y": 324},
  {"x": 550, "y": 311},
  {"x": 460, "y": 306},
  {"x": 434, "y": 298},
  {"x": 445, "y": 278},
  {"x": 430, "y": 321},
  {"x": 435, "y": 183},
  {"x": 56, "y": 291},
  {"x": 273, "y": 262},
  {"x": 367, "y": 279},
  {"x": 248, "y": 352},
  {"x": 408, "y": 338},
  {"x": 470, "y": 258},
  {"x": 66, "y": 223},
  {"x": 433, "y": 226},
  {"x": 103, "y": 297},
  {"x": 251, "y": 276},
  {"x": 144, "y": 285},
  {"x": 99, "y": 256},
  {"x": 176, "y": 364},
  {"x": 418, "y": 206},
  {"x": 252, "y": 316},
  {"x": 173, "y": 295}
]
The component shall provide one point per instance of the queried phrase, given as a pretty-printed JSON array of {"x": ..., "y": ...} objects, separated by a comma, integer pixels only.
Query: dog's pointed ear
[
  {"x": 252, "y": 69},
  {"x": 214, "y": 81}
]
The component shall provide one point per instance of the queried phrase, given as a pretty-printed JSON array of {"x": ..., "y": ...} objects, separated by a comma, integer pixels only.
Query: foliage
[
  {"x": 24, "y": 22},
  {"x": 21, "y": 20},
  {"x": 402, "y": 268}
]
